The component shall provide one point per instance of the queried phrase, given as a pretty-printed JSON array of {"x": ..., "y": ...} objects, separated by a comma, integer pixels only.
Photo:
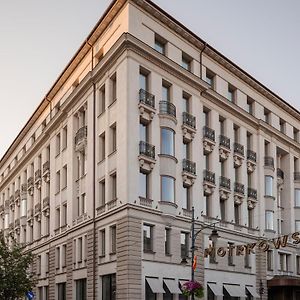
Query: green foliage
[{"x": 15, "y": 278}]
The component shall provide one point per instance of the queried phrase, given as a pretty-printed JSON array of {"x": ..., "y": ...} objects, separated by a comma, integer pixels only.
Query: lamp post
[{"x": 214, "y": 236}]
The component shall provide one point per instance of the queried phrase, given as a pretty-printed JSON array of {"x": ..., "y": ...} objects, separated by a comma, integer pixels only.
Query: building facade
[{"x": 146, "y": 122}]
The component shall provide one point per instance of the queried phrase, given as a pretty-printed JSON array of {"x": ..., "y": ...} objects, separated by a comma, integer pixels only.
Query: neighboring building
[{"x": 146, "y": 121}]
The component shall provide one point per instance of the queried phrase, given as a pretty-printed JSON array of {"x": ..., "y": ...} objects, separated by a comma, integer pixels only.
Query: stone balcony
[
  {"x": 81, "y": 139},
  {"x": 251, "y": 161},
  {"x": 238, "y": 155},
  {"x": 208, "y": 140},
  {"x": 146, "y": 106},
  {"x": 239, "y": 193},
  {"x": 252, "y": 197},
  {"x": 188, "y": 172},
  {"x": 188, "y": 127},
  {"x": 209, "y": 182},
  {"x": 224, "y": 187},
  {"x": 224, "y": 147},
  {"x": 146, "y": 156}
]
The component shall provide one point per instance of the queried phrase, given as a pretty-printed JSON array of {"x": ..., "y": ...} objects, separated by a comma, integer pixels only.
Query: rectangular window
[
  {"x": 297, "y": 197},
  {"x": 101, "y": 101},
  {"x": 250, "y": 104},
  {"x": 166, "y": 95},
  {"x": 247, "y": 260},
  {"x": 296, "y": 134},
  {"x": 269, "y": 220},
  {"x": 81, "y": 289},
  {"x": 47, "y": 262},
  {"x": 168, "y": 241},
  {"x": 102, "y": 192},
  {"x": 298, "y": 264},
  {"x": 184, "y": 244},
  {"x": 149, "y": 293},
  {"x": 160, "y": 44},
  {"x": 223, "y": 209},
  {"x": 38, "y": 265},
  {"x": 64, "y": 137},
  {"x": 57, "y": 190},
  {"x": 113, "y": 82},
  {"x": 144, "y": 81},
  {"x": 230, "y": 257},
  {"x": 79, "y": 249},
  {"x": 297, "y": 225},
  {"x": 237, "y": 214},
  {"x": 282, "y": 125},
  {"x": 210, "y": 78},
  {"x": 250, "y": 218},
  {"x": 186, "y": 61},
  {"x": 113, "y": 130},
  {"x": 61, "y": 291},
  {"x": 113, "y": 186},
  {"x": 102, "y": 146},
  {"x": 270, "y": 260},
  {"x": 64, "y": 219},
  {"x": 267, "y": 116},
  {"x": 109, "y": 287},
  {"x": 113, "y": 238},
  {"x": 167, "y": 141},
  {"x": 231, "y": 93},
  {"x": 57, "y": 217},
  {"x": 144, "y": 185},
  {"x": 64, "y": 177},
  {"x": 148, "y": 237},
  {"x": 168, "y": 189},
  {"x": 269, "y": 186},
  {"x": 57, "y": 257},
  {"x": 144, "y": 132},
  {"x": 102, "y": 243},
  {"x": 186, "y": 198},
  {"x": 64, "y": 255},
  {"x": 57, "y": 139}
]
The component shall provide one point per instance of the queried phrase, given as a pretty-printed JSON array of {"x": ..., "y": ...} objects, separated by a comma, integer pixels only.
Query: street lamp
[{"x": 213, "y": 237}]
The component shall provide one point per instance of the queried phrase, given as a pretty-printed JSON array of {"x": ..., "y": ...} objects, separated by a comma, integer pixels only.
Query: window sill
[
  {"x": 101, "y": 114},
  {"x": 270, "y": 197},
  {"x": 231, "y": 265},
  {"x": 270, "y": 230},
  {"x": 112, "y": 153},
  {"x": 168, "y": 254},
  {"x": 101, "y": 161},
  {"x": 112, "y": 103},
  {"x": 248, "y": 267},
  {"x": 149, "y": 251},
  {"x": 168, "y": 156}
]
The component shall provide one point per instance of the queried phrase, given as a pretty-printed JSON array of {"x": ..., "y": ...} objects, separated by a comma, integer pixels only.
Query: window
[
  {"x": 113, "y": 82},
  {"x": 148, "y": 237},
  {"x": 102, "y": 192},
  {"x": 223, "y": 209},
  {"x": 167, "y": 141},
  {"x": 64, "y": 255},
  {"x": 64, "y": 219},
  {"x": 267, "y": 116},
  {"x": 186, "y": 61},
  {"x": 210, "y": 78},
  {"x": 57, "y": 257},
  {"x": 102, "y": 242},
  {"x": 57, "y": 217},
  {"x": 167, "y": 295},
  {"x": 269, "y": 186},
  {"x": 231, "y": 93},
  {"x": 113, "y": 130},
  {"x": 186, "y": 150},
  {"x": 270, "y": 260},
  {"x": 149, "y": 294},
  {"x": 144, "y": 85},
  {"x": 160, "y": 44},
  {"x": 247, "y": 260},
  {"x": 64, "y": 137},
  {"x": 47, "y": 262},
  {"x": 57, "y": 182},
  {"x": 250, "y": 218},
  {"x": 230, "y": 257},
  {"x": 102, "y": 146},
  {"x": 269, "y": 220},
  {"x": 297, "y": 197},
  {"x": 186, "y": 198},
  {"x": 38, "y": 265},
  {"x": 167, "y": 241},
  {"x": 284, "y": 262},
  {"x": 297, "y": 225},
  {"x": 101, "y": 100},
  {"x": 109, "y": 287},
  {"x": 184, "y": 244},
  {"x": 282, "y": 125},
  {"x": 81, "y": 289},
  {"x": 79, "y": 249},
  {"x": 144, "y": 134},
  {"x": 81, "y": 204},
  {"x": 168, "y": 189},
  {"x": 237, "y": 214},
  {"x": 144, "y": 185},
  {"x": 64, "y": 177},
  {"x": 57, "y": 144},
  {"x": 166, "y": 95},
  {"x": 61, "y": 291},
  {"x": 298, "y": 264},
  {"x": 250, "y": 104},
  {"x": 113, "y": 186},
  {"x": 113, "y": 239},
  {"x": 296, "y": 134}
]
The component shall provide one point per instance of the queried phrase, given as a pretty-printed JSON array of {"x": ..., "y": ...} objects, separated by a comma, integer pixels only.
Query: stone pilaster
[
  {"x": 52, "y": 273},
  {"x": 261, "y": 272},
  {"x": 129, "y": 259},
  {"x": 91, "y": 244},
  {"x": 199, "y": 272},
  {"x": 69, "y": 267}
]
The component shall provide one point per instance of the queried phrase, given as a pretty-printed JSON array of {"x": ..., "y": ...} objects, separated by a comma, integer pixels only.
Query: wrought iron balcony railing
[
  {"x": 147, "y": 149},
  {"x": 238, "y": 148},
  {"x": 252, "y": 193},
  {"x": 225, "y": 182},
  {"x": 225, "y": 141},
  {"x": 251, "y": 155},
  {"x": 189, "y": 119},
  {"x": 209, "y": 133},
  {"x": 146, "y": 98},
  {"x": 189, "y": 166},
  {"x": 81, "y": 134},
  {"x": 239, "y": 188},
  {"x": 296, "y": 175},
  {"x": 269, "y": 161},
  {"x": 168, "y": 108},
  {"x": 209, "y": 176}
]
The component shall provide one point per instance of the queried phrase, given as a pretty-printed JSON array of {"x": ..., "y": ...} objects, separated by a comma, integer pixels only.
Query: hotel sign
[{"x": 262, "y": 245}]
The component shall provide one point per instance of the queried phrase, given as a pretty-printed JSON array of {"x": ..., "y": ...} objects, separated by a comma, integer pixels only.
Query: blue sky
[{"x": 38, "y": 38}]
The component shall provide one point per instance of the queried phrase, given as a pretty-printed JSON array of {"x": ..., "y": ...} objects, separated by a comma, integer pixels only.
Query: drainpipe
[
  {"x": 205, "y": 44},
  {"x": 94, "y": 175}
]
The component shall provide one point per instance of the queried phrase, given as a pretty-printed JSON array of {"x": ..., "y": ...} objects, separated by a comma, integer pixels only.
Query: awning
[
  {"x": 172, "y": 286},
  {"x": 252, "y": 291},
  {"x": 155, "y": 285},
  {"x": 235, "y": 290},
  {"x": 216, "y": 289}
]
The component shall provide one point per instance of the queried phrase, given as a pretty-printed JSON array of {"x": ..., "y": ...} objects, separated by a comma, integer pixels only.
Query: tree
[{"x": 15, "y": 277}]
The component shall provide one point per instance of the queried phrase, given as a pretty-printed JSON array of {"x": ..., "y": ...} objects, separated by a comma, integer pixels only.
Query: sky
[{"x": 39, "y": 37}]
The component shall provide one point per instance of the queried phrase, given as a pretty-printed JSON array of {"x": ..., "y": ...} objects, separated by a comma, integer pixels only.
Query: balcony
[
  {"x": 224, "y": 188},
  {"x": 12, "y": 203},
  {"x": 224, "y": 147},
  {"x": 30, "y": 217},
  {"x": 239, "y": 192},
  {"x": 188, "y": 127},
  {"x": 188, "y": 172},
  {"x": 208, "y": 182},
  {"x": 146, "y": 156},
  {"x": 146, "y": 106},
  {"x": 252, "y": 198},
  {"x": 46, "y": 206},
  {"x": 297, "y": 176},
  {"x": 37, "y": 211},
  {"x": 269, "y": 162},
  {"x": 238, "y": 154},
  {"x": 46, "y": 171},
  {"x": 1, "y": 209},
  {"x": 24, "y": 190},
  {"x": 280, "y": 177},
  {"x": 81, "y": 139},
  {"x": 17, "y": 197},
  {"x": 167, "y": 108},
  {"x": 208, "y": 140},
  {"x": 38, "y": 178},
  {"x": 30, "y": 186},
  {"x": 251, "y": 161}
]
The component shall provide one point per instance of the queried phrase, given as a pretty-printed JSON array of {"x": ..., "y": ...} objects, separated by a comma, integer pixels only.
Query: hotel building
[{"x": 146, "y": 121}]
